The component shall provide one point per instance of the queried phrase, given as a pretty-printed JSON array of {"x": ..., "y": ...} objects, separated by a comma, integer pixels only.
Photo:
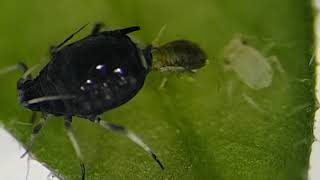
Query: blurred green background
[{"x": 202, "y": 129}]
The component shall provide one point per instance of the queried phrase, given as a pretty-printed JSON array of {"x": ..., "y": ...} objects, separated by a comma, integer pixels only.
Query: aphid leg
[
  {"x": 26, "y": 75},
  {"x": 163, "y": 83},
  {"x": 128, "y": 29},
  {"x": 19, "y": 66},
  {"x": 33, "y": 118},
  {"x": 68, "y": 127},
  {"x": 35, "y": 133},
  {"x": 252, "y": 103},
  {"x": 97, "y": 28},
  {"x": 46, "y": 98},
  {"x": 22, "y": 66},
  {"x": 67, "y": 39},
  {"x": 28, "y": 168},
  {"x": 172, "y": 69},
  {"x": 274, "y": 60},
  {"x": 188, "y": 77},
  {"x": 131, "y": 135},
  {"x": 52, "y": 50},
  {"x": 186, "y": 74}
]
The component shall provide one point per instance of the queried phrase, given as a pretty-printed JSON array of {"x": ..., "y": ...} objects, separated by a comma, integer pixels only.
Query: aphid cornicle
[{"x": 95, "y": 74}]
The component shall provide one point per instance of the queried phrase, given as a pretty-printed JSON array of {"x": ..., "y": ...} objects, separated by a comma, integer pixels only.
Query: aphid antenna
[
  {"x": 155, "y": 42},
  {"x": 70, "y": 37},
  {"x": 129, "y": 29}
]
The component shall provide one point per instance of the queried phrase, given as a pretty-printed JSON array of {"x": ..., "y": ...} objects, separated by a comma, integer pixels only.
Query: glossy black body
[{"x": 102, "y": 71}]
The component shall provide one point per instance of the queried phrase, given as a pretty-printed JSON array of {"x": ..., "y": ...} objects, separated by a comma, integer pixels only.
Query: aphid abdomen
[{"x": 180, "y": 53}]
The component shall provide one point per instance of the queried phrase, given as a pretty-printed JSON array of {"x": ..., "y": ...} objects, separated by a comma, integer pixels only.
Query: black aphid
[{"x": 95, "y": 74}]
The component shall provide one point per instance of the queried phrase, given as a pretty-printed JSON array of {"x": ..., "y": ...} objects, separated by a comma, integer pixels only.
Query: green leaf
[{"x": 215, "y": 127}]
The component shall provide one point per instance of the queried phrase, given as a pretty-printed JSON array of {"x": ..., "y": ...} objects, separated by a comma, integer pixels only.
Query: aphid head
[{"x": 178, "y": 56}]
